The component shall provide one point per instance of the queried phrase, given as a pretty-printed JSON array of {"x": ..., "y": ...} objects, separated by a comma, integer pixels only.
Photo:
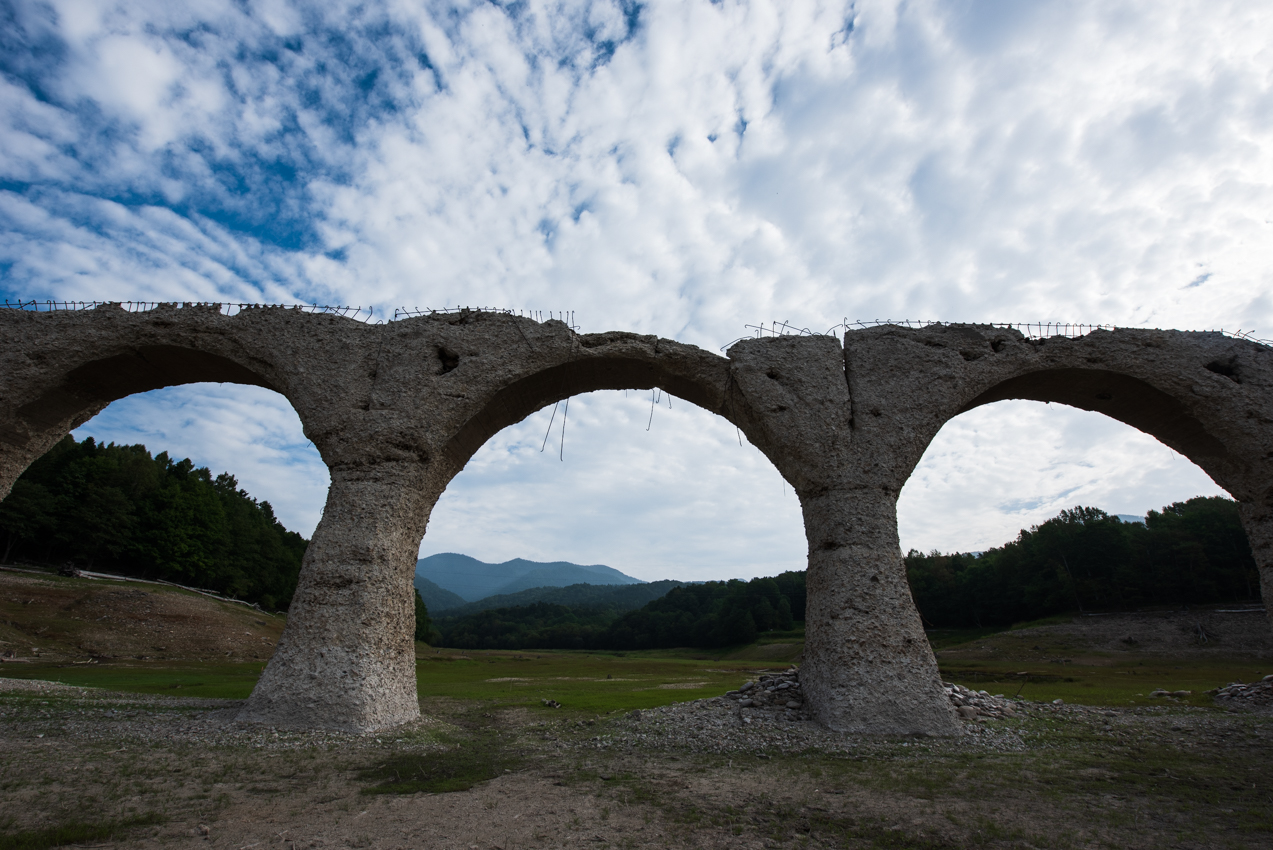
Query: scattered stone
[
  {"x": 551, "y": 703},
  {"x": 1238, "y": 695},
  {"x": 971, "y": 705},
  {"x": 779, "y": 695}
]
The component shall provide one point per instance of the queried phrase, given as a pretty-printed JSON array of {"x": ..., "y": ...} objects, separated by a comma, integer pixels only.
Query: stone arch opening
[
  {"x": 1200, "y": 394},
  {"x": 1006, "y": 465},
  {"x": 619, "y": 477}
]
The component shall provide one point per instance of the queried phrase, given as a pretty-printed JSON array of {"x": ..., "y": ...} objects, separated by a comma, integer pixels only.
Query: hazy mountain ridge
[
  {"x": 471, "y": 579},
  {"x": 436, "y": 598}
]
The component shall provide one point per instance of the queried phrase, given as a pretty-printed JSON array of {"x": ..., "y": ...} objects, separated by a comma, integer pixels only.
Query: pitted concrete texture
[{"x": 397, "y": 410}]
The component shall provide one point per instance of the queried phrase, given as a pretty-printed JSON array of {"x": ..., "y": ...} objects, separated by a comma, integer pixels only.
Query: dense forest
[
  {"x": 117, "y": 509},
  {"x": 710, "y": 614},
  {"x": 1192, "y": 552},
  {"x": 618, "y": 598}
]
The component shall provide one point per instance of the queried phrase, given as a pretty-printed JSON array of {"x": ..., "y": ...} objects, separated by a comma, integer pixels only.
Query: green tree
[
  {"x": 425, "y": 632},
  {"x": 117, "y": 509}
]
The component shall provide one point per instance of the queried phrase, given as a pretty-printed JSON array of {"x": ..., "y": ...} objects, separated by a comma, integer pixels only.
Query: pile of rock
[
  {"x": 776, "y": 693},
  {"x": 971, "y": 705},
  {"x": 779, "y": 694},
  {"x": 1240, "y": 695}
]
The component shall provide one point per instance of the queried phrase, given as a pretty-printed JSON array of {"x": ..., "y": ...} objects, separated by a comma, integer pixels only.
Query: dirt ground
[
  {"x": 80, "y": 620},
  {"x": 1216, "y": 630},
  {"x": 1058, "y": 776}
]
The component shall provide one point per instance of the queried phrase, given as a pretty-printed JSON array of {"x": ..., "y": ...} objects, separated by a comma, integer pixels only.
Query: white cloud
[{"x": 721, "y": 164}]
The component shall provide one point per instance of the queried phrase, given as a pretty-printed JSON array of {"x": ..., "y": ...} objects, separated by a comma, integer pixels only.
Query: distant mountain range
[
  {"x": 468, "y": 579},
  {"x": 436, "y": 598}
]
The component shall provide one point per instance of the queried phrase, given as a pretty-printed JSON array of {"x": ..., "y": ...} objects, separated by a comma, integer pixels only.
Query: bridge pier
[
  {"x": 1257, "y": 520},
  {"x": 868, "y": 667},
  {"x": 346, "y": 659}
]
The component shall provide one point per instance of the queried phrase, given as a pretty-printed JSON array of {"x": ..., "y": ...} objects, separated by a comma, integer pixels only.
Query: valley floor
[
  {"x": 151, "y": 771},
  {"x": 134, "y": 745}
]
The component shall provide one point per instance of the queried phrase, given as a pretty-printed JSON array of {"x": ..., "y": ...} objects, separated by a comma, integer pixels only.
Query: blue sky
[{"x": 679, "y": 168}]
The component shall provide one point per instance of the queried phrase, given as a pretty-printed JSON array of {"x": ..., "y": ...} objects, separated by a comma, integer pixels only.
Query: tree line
[
  {"x": 710, "y": 614},
  {"x": 116, "y": 509},
  {"x": 1191, "y": 552}
]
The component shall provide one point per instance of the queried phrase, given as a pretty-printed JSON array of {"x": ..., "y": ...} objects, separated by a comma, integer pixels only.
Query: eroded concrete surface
[{"x": 396, "y": 410}]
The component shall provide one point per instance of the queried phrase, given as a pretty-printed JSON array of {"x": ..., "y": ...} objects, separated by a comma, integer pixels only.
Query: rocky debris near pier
[
  {"x": 775, "y": 693},
  {"x": 779, "y": 694},
  {"x": 975, "y": 705},
  {"x": 1256, "y": 695}
]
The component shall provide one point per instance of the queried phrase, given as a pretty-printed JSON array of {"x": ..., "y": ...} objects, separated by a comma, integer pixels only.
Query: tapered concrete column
[
  {"x": 346, "y": 659},
  {"x": 1257, "y": 519},
  {"x": 867, "y": 665}
]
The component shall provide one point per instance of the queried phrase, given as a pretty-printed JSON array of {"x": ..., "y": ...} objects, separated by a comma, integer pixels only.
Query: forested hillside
[
  {"x": 710, "y": 614},
  {"x": 117, "y": 509},
  {"x": 1189, "y": 553},
  {"x": 617, "y": 598},
  {"x": 716, "y": 613}
]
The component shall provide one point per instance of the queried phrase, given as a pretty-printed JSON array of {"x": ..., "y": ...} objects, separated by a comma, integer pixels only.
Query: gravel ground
[{"x": 90, "y": 715}]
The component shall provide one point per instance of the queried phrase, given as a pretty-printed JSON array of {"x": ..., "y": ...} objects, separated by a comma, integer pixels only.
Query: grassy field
[
  {"x": 591, "y": 682},
  {"x": 601, "y": 682},
  {"x": 1125, "y": 683}
]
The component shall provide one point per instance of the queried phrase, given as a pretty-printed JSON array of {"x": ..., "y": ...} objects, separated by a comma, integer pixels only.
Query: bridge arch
[
  {"x": 1204, "y": 394},
  {"x": 610, "y": 361},
  {"x": 69, "y": 373}
]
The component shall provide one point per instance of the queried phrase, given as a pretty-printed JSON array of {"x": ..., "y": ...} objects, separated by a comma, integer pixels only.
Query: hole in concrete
[
  {"x": 448, "y": 358},
  {"x": 1228, "y": 368},
  {"x": 773, "y": 375}
]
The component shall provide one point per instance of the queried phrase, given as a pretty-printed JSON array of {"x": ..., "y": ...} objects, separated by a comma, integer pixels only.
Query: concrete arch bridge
[{"x": 396, "y": 410}]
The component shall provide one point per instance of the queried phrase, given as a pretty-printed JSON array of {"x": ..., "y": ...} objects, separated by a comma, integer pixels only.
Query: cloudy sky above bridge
[{"x": 680, "y": 168}]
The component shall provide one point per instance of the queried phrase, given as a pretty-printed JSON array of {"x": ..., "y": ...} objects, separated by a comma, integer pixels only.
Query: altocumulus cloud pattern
[{"x": 670, "y": 168}]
